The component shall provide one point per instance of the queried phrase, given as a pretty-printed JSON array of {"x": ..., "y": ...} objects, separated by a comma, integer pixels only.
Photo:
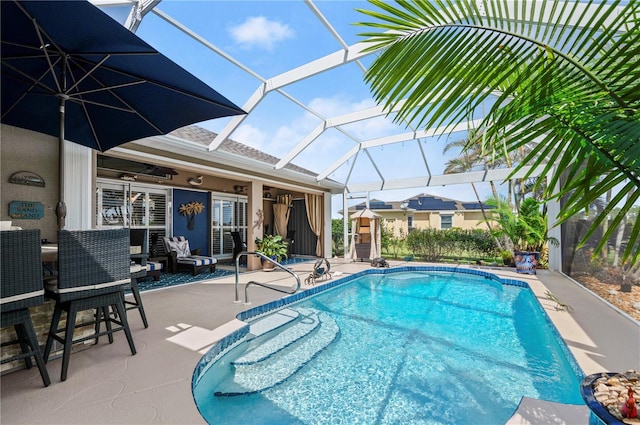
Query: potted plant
[
  {"x": 272, "y": 246},
  {"x": 507, "y": 257}
]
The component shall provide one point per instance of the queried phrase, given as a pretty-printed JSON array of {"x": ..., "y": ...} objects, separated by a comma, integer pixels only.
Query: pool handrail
[{"x": 264, "y": 285}]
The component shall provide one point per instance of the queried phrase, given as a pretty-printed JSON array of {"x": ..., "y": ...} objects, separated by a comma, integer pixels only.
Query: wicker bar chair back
[
  {"x": 22, "y": 287},
  {"x": 139, "y": 241},
  {"x": 93, "y": 268}
]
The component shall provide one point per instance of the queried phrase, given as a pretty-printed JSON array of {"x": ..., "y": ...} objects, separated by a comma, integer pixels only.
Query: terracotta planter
[{"x": 267, "y": 265}]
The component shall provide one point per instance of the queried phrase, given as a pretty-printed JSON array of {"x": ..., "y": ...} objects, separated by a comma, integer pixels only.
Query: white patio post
[
  {"x": 255, "y": 226},
  {"x": 326, "y": 228},
  {"x": 79, "y": 186}
]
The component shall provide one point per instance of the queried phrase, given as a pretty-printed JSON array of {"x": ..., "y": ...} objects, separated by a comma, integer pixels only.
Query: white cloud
[
  {"x": 258, "y": 31},
  {"x": 250, "y": 136}
]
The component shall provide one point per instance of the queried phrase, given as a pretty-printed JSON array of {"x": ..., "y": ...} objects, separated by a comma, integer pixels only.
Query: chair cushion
[
  {"x": 137, "y": 249},
  {"x": 167, "y": 239},
  {"x": 22, "y": 297},
  {"x": 197, "y": 260},
  {"x": 52, "y": 286},
  {"x": 180, "y": 247},
  {"x": 135, "y": 268},
  {"x": 153, "y": 266}
]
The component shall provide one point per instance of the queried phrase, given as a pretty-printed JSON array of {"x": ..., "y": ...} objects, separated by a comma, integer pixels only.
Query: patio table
[{"x": 49, "y": 253}]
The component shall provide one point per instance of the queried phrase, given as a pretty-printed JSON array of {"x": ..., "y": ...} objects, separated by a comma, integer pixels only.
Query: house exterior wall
[{"x": 398, "y": 223}]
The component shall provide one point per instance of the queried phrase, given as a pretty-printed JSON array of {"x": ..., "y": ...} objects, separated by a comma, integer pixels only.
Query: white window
[{"x": 446, "y": 221}]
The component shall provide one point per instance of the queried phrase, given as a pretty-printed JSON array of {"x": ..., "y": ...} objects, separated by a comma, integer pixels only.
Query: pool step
[
  {"x": 307, "y": 323},
  {"x": 259, "y": 371},
  {"x": 273, "y": 321}
]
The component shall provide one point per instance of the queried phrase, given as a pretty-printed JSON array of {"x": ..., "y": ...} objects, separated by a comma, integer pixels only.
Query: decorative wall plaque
[
  {"x": 27, "y": 178},
  {"x": 26, "y": 210}
]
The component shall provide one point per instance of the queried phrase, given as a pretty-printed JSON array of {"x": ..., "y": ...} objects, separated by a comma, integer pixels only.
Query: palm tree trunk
[
  {"x": 484, "y": 214},
  {"x": 494, "y": 190}
]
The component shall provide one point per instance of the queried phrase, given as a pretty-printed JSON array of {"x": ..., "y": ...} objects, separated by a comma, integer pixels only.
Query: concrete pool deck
[{"x": 107, "y": 385}]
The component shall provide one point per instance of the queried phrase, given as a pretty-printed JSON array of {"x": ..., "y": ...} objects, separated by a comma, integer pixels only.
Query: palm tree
[
  {"x": 468, "y": 159},
  {"x": 562, "y": 77}
]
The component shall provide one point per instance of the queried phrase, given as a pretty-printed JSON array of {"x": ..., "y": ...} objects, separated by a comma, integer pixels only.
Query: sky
[{"x": 268, "y": 38}]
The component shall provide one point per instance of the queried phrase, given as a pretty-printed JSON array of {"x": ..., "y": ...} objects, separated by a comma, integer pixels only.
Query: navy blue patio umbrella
[{"x": 71, "y": 71}]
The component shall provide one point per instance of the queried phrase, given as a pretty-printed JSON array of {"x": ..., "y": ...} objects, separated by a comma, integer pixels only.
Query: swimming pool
[{"x": 410, "y": 345}]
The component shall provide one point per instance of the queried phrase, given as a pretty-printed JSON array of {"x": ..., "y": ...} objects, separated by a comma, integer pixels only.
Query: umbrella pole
[{"x": 61, "y": 207}]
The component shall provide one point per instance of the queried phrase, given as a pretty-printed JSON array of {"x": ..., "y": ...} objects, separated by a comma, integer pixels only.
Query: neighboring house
[{"x": 426, "y": 211}]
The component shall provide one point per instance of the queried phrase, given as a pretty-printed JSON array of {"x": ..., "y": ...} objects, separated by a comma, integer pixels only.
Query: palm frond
[{"x": 561, "y": 76}]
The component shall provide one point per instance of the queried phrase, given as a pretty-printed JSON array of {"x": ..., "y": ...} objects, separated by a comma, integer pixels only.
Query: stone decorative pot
[
  {"x": 604, "y": 394},
  {"x": 526, "y": 262}
]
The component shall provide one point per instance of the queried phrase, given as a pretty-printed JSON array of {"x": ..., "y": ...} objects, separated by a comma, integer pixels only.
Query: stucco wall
[
  {"x": 24, "y": 150},
  {"x": 395, "y": 221}
]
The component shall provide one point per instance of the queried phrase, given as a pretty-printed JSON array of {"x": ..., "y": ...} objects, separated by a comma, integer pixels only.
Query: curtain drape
[
  {"x": 281, "y": 214},
  {"x": 352, "y": 245},
  {"x": 281, "y": 219},
  {"x": 374, "y": 230},
  {"x": 314, "y": 204}
]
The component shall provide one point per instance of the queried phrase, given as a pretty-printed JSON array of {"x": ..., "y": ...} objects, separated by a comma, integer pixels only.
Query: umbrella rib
[
  {"x": 90, "y": 72},
  {"x": 33, "y": 81},
  {"x": 30, "y": 79},
  {"x": 43, "y": 47},
  {"x": 109, "y": 89},
  {"x": 165, "y": 86},
  {"x": 81, "y": 101},
  {"x": 93, "y": 130}
]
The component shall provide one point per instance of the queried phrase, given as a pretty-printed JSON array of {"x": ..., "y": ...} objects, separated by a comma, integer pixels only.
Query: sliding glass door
[
  {"x": 228, "y": 214},
  {"x": 133, "y": 205}
]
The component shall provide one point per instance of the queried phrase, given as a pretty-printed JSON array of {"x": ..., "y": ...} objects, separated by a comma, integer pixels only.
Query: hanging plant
[{"x": 190, "y": 211}]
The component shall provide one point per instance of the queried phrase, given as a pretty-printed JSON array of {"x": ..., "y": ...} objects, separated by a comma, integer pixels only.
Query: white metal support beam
[
  {"x": 398, "y": 138},
  {"x": 497, "y": 175},
  {"x": 307, "y": 70},
  {"x": 344, "y": 119}
]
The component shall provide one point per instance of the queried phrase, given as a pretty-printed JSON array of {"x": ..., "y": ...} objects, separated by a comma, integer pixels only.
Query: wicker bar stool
[
  {"x": 93, "y": 268},
  {"x": 22, "y": 287},
  {"x": 138, "y": 238}
]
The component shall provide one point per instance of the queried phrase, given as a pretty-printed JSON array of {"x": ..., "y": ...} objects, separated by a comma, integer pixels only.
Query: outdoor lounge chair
[
  {"x": 321, "y": 270},
  {"x": 180, "y": 256},
  {"x": 140, "y": 253}
]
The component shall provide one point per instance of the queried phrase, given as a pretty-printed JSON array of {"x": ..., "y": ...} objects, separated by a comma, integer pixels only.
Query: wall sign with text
[
  {"x": 27, "y": 178},
  {"x": 26, "y": 210}
]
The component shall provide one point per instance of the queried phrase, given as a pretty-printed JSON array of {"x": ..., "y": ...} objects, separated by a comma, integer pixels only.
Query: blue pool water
[{"x": 405, "y": 347}]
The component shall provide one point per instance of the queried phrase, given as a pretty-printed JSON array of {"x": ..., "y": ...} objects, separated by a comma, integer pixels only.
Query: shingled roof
[
  {"x": 422, "y": 202},
  {"x": 202, "y": 136}
]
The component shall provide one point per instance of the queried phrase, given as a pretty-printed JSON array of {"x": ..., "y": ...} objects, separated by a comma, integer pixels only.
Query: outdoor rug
[{"x": 174, "y": 279}]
